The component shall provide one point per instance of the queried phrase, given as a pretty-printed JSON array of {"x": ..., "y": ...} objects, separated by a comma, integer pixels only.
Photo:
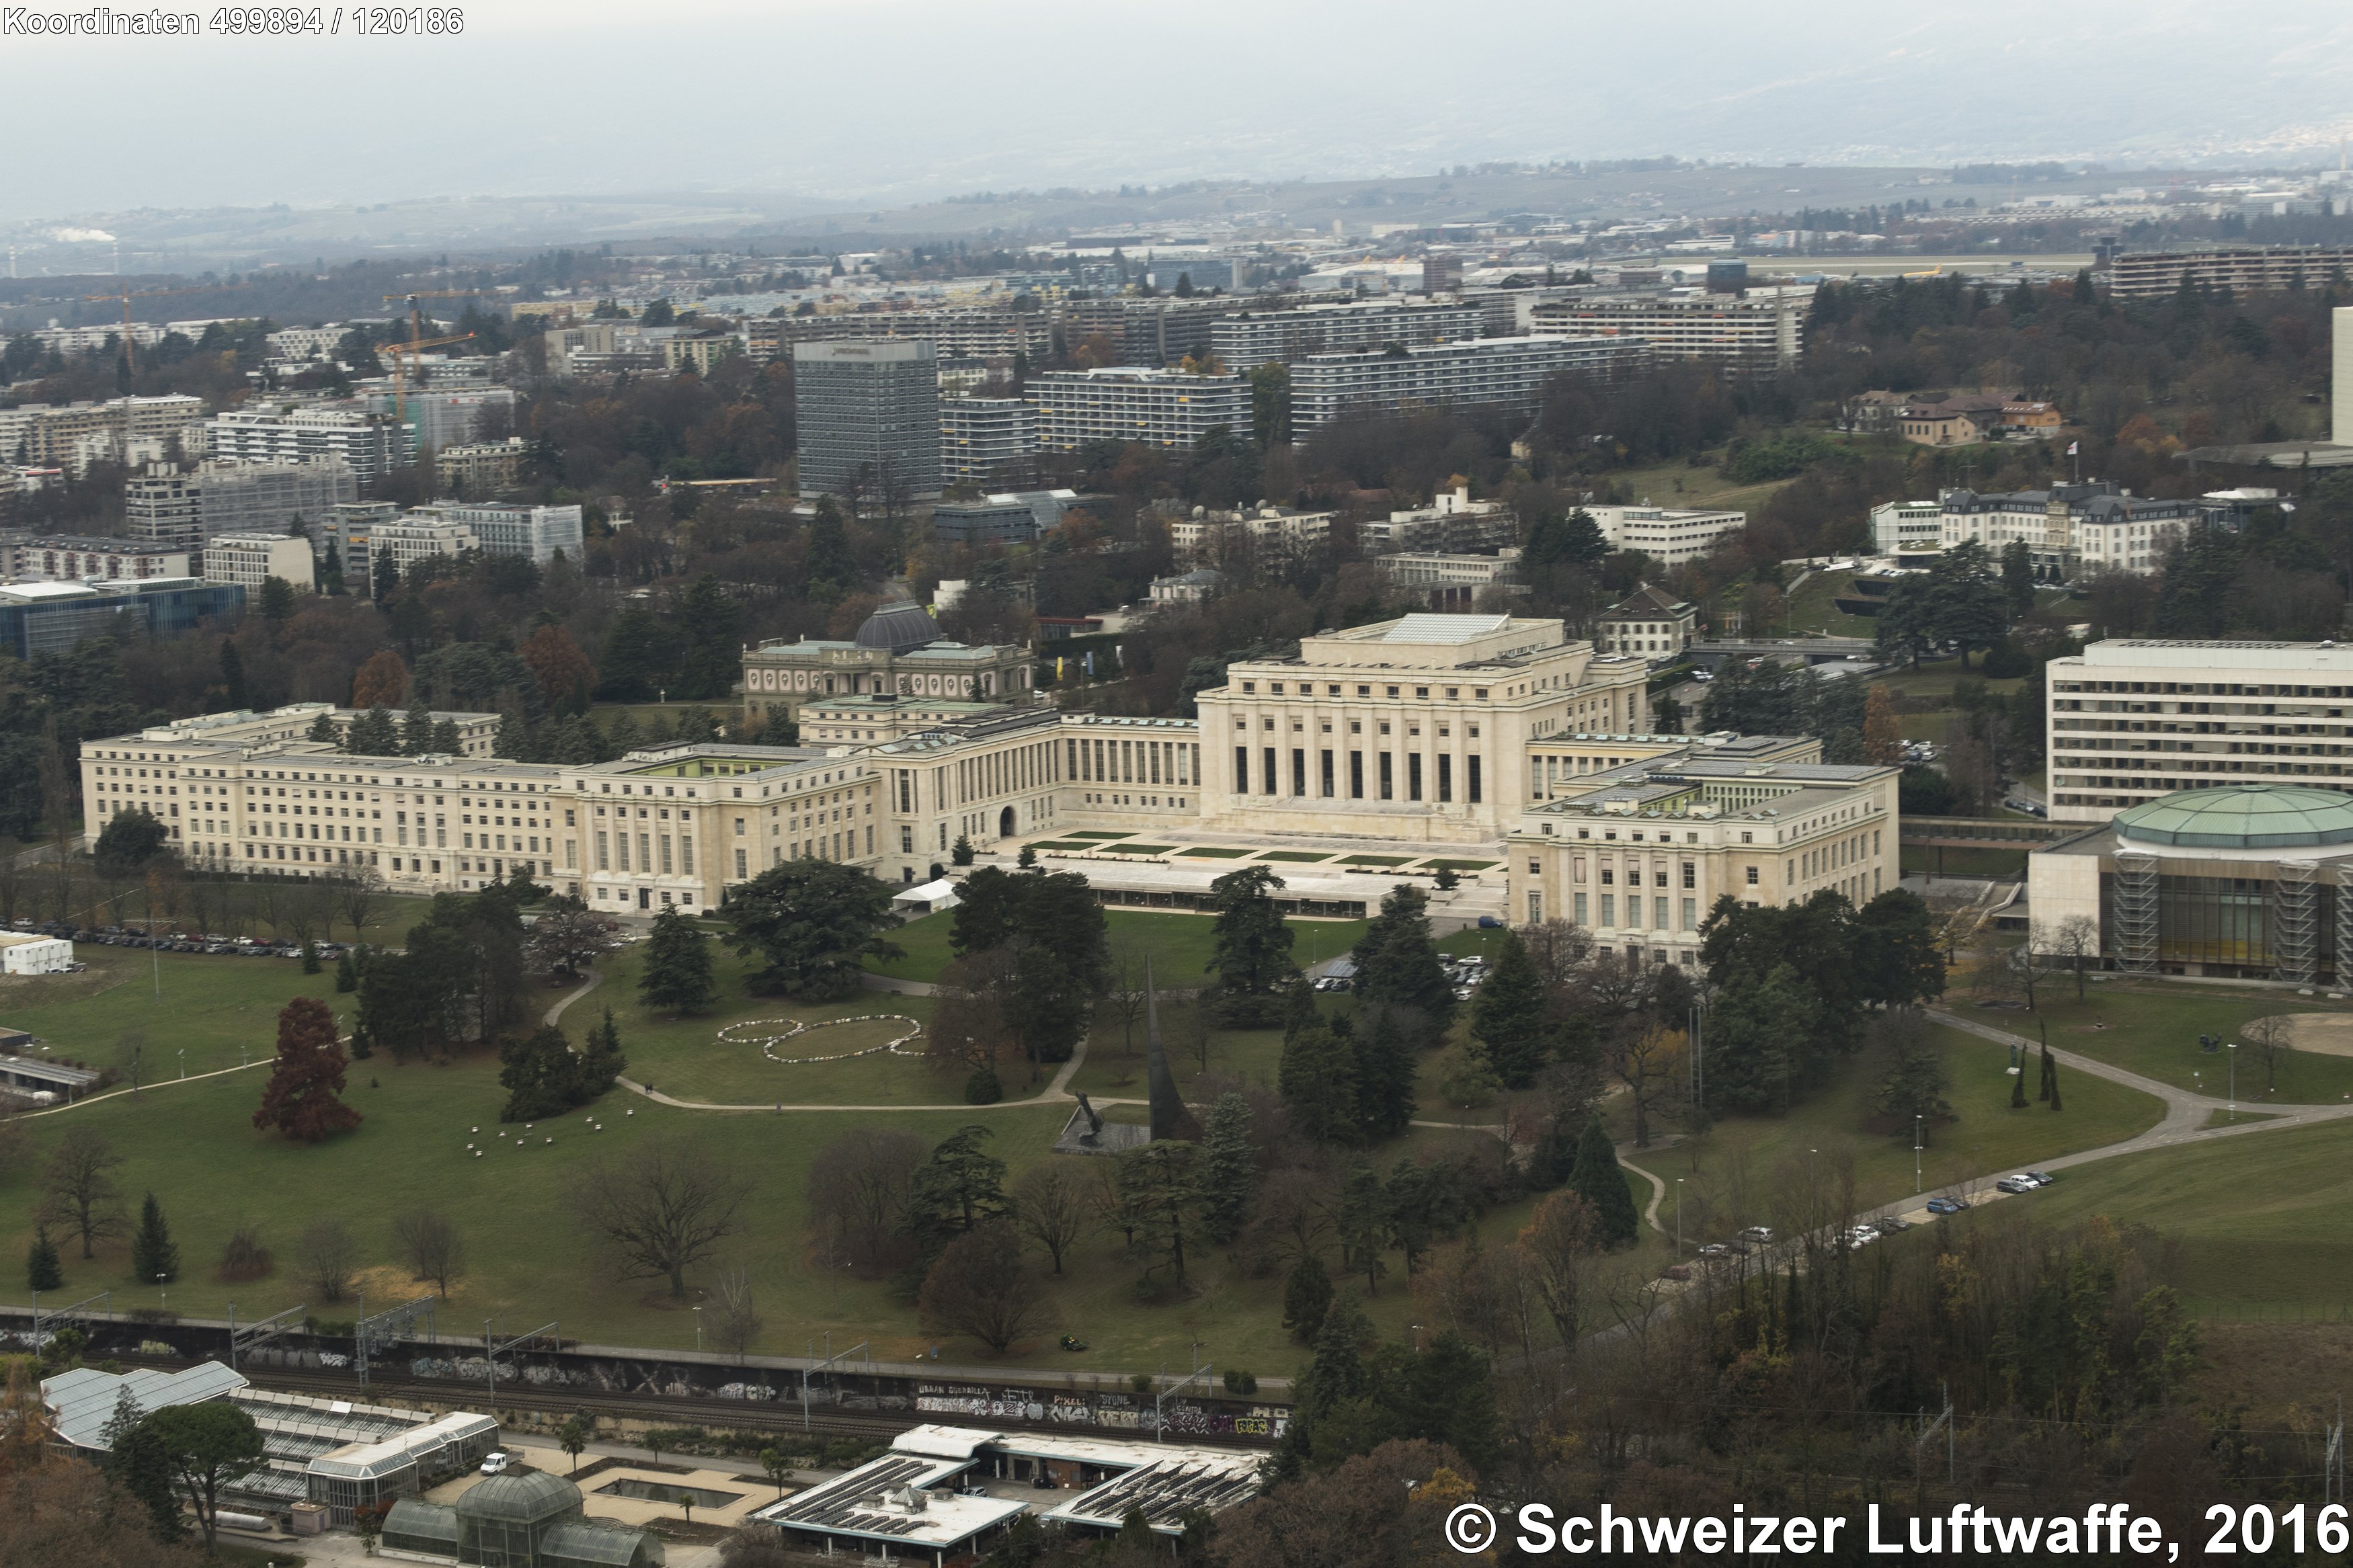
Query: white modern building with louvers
[{"x": 2132, "y": 719}]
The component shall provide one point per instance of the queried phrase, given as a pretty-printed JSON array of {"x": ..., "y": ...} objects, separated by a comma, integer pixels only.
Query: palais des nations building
[{"x": 1487, "y": 736}]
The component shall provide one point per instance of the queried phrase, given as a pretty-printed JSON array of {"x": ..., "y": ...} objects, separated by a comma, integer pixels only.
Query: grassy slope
[
  {"x": 2154, "y": 1030},
  {"x": 2259, "y": 1218},
  {"x": 1732, "y": 1165}
]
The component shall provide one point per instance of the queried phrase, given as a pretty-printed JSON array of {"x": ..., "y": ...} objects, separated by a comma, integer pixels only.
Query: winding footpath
[{"x": 2184, "y": 1121}]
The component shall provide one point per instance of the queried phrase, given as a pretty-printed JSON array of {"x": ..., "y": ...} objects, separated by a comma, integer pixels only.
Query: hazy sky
[{"x": 876, "y": 103}]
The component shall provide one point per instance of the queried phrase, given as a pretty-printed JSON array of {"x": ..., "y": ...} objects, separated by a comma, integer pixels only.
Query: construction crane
[
  {"x": 416, "y": 320},
  {"x": 400, "y": 354},
  {"x": 129, "y": 359}
]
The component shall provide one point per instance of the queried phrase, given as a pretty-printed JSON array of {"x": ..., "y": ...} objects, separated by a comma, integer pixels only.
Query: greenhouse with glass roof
[
  {"x": 2248, "y": 882},
  {"x": 523, "y": 1519}
]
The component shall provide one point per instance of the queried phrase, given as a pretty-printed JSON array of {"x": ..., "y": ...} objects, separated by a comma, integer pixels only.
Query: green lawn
[
  {"x": 212, "y": 1008},
  {"x": 2259, "y": 1218},
  {"x": 1375, "y": 859},
  {"x": 1729, "y": 1172},
  {"x": 685, "y": 1056},
  {"x": 1179, "y": 944},
  {"x": 1216, "y": 852},
  {"x": 1460, "y": 865},
  {"x": 1813, "y": 608},
  {"x": 1300, "y": 856},
  {"x": 2153, "y": 1028}
]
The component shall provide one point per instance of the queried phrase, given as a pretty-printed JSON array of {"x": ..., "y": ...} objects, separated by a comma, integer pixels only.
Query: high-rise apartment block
[
  {"x": 182, "y": 511},
  {"x": 867, "y": 415},
  {"x": 121, "y": 430},
  {"x": 1253, "y": 338},
  {"x": 370, "y": 445},
  {"x": 1157, "y": 407},
  {"x": 1760, "y": 334},
  {"x": 1509, "y": 371},
  {"x": 979, "y": 436}
]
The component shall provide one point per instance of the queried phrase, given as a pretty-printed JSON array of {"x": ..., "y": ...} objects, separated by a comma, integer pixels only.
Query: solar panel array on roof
[{"x": 1164, "y": 1492}]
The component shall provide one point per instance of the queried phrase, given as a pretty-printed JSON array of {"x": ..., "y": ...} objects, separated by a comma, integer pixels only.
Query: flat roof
[{"x": 2187, "y": 653}]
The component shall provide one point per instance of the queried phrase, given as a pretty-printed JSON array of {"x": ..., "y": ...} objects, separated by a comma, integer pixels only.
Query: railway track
[{"x": 780, "y": 1416}]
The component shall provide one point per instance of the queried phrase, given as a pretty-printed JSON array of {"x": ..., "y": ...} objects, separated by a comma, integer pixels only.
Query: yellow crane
[
  {"x": 417, "y": 319},
  {"x": 401, "y": 353},
  {"x": 130, "y": 359}
]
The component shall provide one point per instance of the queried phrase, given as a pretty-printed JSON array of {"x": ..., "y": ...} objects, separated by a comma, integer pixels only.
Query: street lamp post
[
  {"x": 162, "y": 1281},
  {"x": 1917, "y": 1127},
  {"x": 2234, "y": 1080},
  {"x": 698, "y": 1331},
  {"x": 1679, "y": 1217}
]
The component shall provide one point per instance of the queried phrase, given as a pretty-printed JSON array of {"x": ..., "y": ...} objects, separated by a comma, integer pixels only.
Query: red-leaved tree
[{"x": 301, "y": 1101}]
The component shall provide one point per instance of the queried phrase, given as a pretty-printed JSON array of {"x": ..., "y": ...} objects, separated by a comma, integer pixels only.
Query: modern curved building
[
  {"x": 523, "y": 1519},
  {"x": 2245, "y": 882}
]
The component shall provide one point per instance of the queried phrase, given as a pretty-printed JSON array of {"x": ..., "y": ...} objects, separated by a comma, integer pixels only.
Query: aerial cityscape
[{"x": 1558, "y": 811}]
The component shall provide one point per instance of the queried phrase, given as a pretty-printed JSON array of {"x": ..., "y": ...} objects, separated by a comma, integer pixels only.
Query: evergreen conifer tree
[
  {"x": 1362, "y": 1224},
  {"x": 1597, "y": 1179},
  {"x": 1317, "y": 1079},
  {"x": 1384, "y": 1077},
  {"x": 347, "y": 974},
  {"x": 154, "y": 1257},
  {"x": 1508, "y": 1016},
  {"x": 417, "y": 729},
  {"x": 42, "y": 1270},
  {"x": 677, "y": 967},
  {"x": 1306, "y": 1298},
  {"x": 962, "y": 852},
  {"x": 2018, "y": 1087},
  {"x": 232, "y": 667},
  {"x": 1230, "y": 1168}
]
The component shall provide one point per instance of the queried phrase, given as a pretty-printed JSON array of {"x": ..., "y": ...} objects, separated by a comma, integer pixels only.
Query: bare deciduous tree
[
  {"x": 2068, "y": 944},
  {"x": 1052, "y": 1206},
  {"x": 858, "y": 1188},
  {"x": 735, "y": 1318},
  {"x": 664, "y": 1209},
  {"x": 77, "y": 1193},
  {"x": 1559, "y": 1245},
  {"x": 980, "y": 1287},
  {"x": 2271, "y": 1041},
  {"x": 327, "y": 1255},
  {"x": 429, "y": 1244},
  {"x": 357, "y": 897}
]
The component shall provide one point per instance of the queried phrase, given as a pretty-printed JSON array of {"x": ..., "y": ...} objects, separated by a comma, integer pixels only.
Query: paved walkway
[{"x": 2184, "y": 1121}]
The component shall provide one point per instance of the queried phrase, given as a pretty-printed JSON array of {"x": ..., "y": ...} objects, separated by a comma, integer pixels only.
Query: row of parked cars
[{"x": 177, "y": 942}]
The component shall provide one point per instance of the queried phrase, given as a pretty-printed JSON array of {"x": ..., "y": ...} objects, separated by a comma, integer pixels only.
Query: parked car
[
  {"x": 1489, "y": 922},
  {"x": 495, "y": 1463},
  {"x": 1945, "y": 1205},
  {"x": 2041, "y": 1178},
  {"x": 1714, "y": 1249},
  {"x": 2015, "y": 1184},
  {"x": 1891, "y": 1225},
  {"x": 1861, "y": 1236},
  {"x": 1760, "y": 1233},
  {"x": 1674, "y": 1272}
]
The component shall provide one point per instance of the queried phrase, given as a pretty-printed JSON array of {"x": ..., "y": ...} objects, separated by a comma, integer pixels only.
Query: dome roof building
[
  {"x": 900, "y": 627},
  {"x": 2243, "y": 881}
]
